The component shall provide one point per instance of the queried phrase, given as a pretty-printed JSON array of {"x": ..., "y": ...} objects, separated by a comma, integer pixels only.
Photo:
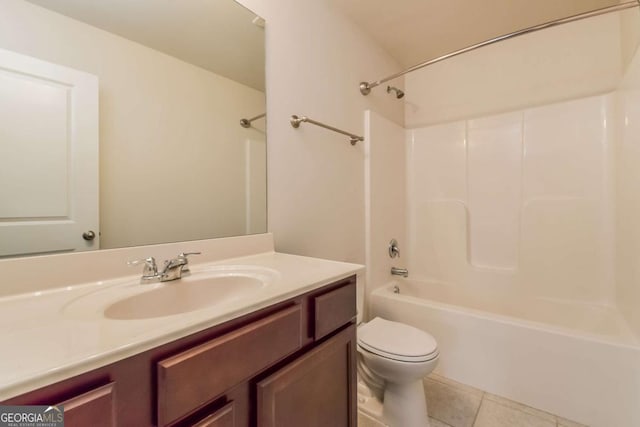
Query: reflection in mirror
[{"x": 122, "y": 118}]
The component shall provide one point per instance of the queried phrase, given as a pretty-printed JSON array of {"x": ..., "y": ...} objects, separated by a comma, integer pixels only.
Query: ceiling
[
  {"x": 413, "y": 31},
  {"x": 216, "y": 35}
]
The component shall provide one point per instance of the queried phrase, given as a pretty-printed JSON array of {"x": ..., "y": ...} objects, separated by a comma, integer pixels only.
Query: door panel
[{"x": 49, "y": 152}]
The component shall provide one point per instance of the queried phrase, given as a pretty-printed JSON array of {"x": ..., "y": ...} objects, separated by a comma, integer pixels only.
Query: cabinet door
[
  {"x": 316, "y": 390},
  {"x": 94, "y": 408},
  {"x": 224, "y": 417}
]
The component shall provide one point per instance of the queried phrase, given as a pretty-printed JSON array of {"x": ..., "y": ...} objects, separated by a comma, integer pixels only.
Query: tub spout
[{"x": 399, "y": 272}]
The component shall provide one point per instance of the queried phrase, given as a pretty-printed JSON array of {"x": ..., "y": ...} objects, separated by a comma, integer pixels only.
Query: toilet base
[
  {"x": 405, "y": 405},
  {"x": 368, "y": 403}
]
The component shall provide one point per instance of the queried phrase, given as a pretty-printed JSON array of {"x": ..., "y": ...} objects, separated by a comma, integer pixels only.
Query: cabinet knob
[{"x": 89, "y": 235}]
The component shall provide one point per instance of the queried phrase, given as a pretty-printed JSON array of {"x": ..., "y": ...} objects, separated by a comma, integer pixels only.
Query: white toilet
[{"x": 393, "y": 358}]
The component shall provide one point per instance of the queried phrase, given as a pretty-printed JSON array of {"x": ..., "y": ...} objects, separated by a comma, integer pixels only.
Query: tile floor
[{"x": 451, "y": 404}]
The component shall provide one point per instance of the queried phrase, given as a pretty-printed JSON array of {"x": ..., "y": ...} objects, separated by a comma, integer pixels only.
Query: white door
[{"x": 48, "y": 157}]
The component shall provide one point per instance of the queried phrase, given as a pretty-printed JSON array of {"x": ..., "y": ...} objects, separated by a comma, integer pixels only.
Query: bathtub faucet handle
[{"x": 394, "y": 250}]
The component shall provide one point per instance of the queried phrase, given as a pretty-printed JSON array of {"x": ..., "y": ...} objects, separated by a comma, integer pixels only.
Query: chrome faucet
[
  {"x": 173, "y": 268},
  {"x": 150, "y": 270},
  {"x": 185, "y": 255},
  {"x": 399, "y": 272}
]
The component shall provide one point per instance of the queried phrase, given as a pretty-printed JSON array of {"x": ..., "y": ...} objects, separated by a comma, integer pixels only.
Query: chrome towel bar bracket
[
  {"x": 295, "y": 123},
  {"x": 246, "y": 123}
]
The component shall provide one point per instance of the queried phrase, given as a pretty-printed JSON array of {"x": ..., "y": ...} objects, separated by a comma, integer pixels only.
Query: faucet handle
[
  {"x": 394, "y": 250},
  {"x": 150, "y": 267},
  {"x": 185, "y": 256}
]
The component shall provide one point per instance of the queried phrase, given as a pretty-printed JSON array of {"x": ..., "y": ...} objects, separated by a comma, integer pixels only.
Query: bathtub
[{"x": 579, "y": 361}]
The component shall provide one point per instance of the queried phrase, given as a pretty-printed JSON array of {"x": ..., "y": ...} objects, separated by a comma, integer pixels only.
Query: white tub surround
[
  {"x": 511, "y": 225},
  {"x": 518, "y": 203},
  {"x": 565, "y": 358},
  {"x": 56, "y": 326}
]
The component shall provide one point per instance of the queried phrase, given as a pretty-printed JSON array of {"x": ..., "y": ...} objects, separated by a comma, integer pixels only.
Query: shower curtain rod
[
  {"x": 246, "y": 123},
  {"x": 365, "y": 87}
]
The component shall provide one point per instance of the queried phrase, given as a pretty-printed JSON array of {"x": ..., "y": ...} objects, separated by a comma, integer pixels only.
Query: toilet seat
[{"x": 397, "y": 341}]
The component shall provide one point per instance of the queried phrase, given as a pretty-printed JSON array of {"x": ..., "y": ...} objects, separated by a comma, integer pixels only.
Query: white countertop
[{"x": 54, "y": 334}]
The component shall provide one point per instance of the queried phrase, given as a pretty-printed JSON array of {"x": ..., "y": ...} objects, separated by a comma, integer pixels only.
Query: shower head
[{"x": 399, "y": 93}]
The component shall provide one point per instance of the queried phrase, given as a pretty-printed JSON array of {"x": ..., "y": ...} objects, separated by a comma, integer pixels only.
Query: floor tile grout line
[
  {"x": 556, "y": 418},
  {"x": 458, "y": 386},
  {"x": 475, "y": 418},
  {"x": 534, "y": 412},
  {"x": 484, "y": 397},
  {"x": 462, "y": 388},
  {"x": 443, "y": 422}
]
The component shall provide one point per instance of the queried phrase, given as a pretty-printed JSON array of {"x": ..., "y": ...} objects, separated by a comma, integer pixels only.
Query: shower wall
[
  {"x": 518, "y": 202},
  {"x": 523, "y": 163},
  {"x": 628, "y": 196},
  {"x": 385, "y": 196}
]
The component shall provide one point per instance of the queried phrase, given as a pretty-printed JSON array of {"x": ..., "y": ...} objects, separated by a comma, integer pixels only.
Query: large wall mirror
[{"x": 120, "y": 123}]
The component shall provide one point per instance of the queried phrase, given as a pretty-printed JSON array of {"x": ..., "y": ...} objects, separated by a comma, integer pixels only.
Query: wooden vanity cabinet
[
  {"x": 288, "y": 365},
  {"x": 318, "y": 389}
]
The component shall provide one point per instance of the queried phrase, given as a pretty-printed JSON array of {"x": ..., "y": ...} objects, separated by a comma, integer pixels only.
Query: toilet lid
[{"x": 397, "y": 341}]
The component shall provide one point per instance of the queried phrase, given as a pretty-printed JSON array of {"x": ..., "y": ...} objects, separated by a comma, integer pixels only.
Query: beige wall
[
  {"x": 171, "y": 149},
  {"x": 630, "y": 34},
  {"x": 566, "y": 62},
  {"x": 315, "y": 60}
]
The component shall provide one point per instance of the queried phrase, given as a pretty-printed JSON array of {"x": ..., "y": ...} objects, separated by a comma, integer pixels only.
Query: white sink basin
[
  {"x": 213, "y": 286},
  {"x": 180, "y": 296}
]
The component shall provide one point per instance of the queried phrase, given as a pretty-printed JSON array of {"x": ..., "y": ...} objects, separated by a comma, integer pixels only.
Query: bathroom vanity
[{"x": 284, "y": 355}]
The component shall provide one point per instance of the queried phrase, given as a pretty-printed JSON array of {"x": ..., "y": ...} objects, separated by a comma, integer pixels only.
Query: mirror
[{"x": 171, "y": 82}]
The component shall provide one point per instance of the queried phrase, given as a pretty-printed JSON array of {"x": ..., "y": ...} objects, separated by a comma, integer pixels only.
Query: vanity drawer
[
  {"x": 196, "y": 376},
  {"x": 93, "y": 408},
  {"x": 334, "y": 309}
]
